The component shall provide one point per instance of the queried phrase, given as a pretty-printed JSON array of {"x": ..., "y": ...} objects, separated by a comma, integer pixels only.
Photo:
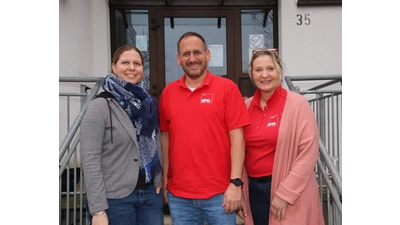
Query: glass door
[
  {"x": 215, "y": 38},
  {"x": 214, "y": 25}
]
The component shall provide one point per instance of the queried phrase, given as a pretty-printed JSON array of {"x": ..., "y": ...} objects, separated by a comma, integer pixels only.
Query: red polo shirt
[
  {"x": 198, "y": 125},
  {"x": 262, "y": 134}
]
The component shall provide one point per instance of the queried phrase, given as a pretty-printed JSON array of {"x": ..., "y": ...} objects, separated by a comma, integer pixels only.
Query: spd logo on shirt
[
  {"x": 273, "y": 121},
  {"x": 206, "y": 98}
]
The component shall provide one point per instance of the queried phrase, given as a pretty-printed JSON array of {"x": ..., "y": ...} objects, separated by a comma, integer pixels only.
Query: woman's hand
[
  {"x": 100, "y": 220},
  {"x": 278, "y": 208},
  {"x": 160, "y": 185}
]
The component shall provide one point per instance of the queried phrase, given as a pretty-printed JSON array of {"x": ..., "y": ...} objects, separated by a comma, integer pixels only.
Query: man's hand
[
  {"x": 232, "y": 199},
  {"x": 164, "y": 187},
  {"x": 243, "y": 211}
]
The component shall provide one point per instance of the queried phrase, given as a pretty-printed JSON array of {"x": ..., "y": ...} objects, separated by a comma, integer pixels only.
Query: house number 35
[{"x": 303, "y": 19}]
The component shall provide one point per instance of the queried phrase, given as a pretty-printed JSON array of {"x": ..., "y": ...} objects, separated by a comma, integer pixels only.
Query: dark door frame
[
  {"x": 156, "y": 16},
  {"x": 159, "y": 60}
]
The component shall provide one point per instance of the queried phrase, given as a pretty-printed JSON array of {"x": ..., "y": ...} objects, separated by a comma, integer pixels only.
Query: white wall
[
  {"x": 84, "y": 38},
  {"x": 314, "y": 49},
  {"x": 84, "y": 49}
]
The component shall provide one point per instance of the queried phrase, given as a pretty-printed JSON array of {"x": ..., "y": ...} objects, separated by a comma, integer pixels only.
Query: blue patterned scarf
[{"x": 140, "y": 107}]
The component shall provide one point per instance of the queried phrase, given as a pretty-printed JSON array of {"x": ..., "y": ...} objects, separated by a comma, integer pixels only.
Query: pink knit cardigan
[{"x": 293, "y": 176}]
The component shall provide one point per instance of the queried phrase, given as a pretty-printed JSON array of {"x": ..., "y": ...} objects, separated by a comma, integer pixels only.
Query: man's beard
[{"x": 193, "y": 75}]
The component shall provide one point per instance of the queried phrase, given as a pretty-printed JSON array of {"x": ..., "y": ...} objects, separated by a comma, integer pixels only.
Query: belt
[{"x": 262, "y": 179}]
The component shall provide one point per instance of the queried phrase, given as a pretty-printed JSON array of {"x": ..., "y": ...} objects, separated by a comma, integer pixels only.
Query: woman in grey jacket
[{"x": 120, "y": 148}]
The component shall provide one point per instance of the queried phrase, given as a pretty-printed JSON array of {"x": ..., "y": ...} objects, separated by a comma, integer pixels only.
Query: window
[
  {"x": 318, "y": 2},
  {"x": 257, "y": 32}
]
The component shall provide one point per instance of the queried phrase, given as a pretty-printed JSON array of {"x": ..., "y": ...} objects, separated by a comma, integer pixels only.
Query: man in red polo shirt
[{"x": 201, "y": 119}]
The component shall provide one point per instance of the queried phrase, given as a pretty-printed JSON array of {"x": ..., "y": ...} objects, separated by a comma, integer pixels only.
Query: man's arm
[
  {"x": 164, "y": 148},
  {"x": 233, "y": 194}
]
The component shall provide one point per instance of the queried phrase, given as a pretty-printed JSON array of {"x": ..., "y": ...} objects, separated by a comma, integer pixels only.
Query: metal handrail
[
  {"x": 71, "y": 199},
  {"x": 325, "y": 90},
  {"x": 337, "y": 179},
  {"x": 71, "y": 133},
  {"x": 333, "y": 79}
]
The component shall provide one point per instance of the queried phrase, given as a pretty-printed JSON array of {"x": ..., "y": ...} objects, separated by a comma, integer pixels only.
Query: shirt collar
[
  {"x": 206, "y": 82},
  {"x": 271, "y": 100}
]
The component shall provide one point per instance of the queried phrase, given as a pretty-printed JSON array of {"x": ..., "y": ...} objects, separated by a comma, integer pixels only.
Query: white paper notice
[
  {"x": 217, "y": 55},
  {"x": 141, "y": 42}
]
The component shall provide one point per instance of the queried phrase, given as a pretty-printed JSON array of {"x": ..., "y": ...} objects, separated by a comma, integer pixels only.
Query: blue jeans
[
  {"x": 141, "y": 207},
  {"x": 185, "y": 211},
  {"x": 260, "y": 200}
]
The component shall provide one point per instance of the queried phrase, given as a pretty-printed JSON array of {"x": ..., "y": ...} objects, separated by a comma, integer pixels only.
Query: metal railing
[
  {"x": 325, "y": 98},
  {"x": 72, "y": 197}
]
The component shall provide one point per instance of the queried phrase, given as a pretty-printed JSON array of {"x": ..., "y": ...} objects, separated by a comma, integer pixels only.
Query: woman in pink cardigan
[{"x": 280, "y": 186}]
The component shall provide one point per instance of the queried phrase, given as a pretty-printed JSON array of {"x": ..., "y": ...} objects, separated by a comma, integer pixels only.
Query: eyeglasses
[
  {"x": 265, "y": 49},
  {"x": 187, "y": 54}
]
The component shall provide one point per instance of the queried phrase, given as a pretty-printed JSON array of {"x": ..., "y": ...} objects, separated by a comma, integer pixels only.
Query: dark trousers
[{"x": 259, "y": 195}]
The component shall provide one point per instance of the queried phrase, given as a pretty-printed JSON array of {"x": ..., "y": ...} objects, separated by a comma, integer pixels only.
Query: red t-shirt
[
  {"x": 198, "y": 125},
  {"x": 262, "y": 134}
]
